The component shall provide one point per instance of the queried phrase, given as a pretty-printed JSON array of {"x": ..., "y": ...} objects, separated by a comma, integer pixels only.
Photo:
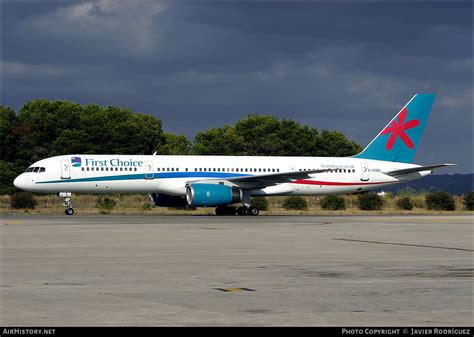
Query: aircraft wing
[
  {"x": 401, "y": 172},
  {"x": 264, "y": 180}
]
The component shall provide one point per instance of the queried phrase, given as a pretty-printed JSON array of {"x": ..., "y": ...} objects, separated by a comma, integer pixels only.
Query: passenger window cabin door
[
  {"x": 65, "y": 169},
  {"x": 149, "y": 170},
  {"x": 365, "y": 171}
]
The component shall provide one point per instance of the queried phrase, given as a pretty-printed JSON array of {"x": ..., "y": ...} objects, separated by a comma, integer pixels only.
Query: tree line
[{"x": 43, "y": 128}]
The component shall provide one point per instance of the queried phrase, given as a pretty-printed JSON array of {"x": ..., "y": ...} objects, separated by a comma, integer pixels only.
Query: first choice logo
[
  {"x": 76, "y": 161},
  {"x": 115, "y": 162}
]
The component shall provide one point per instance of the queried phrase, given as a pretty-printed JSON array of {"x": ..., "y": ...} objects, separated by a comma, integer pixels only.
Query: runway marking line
[
  {"x": 407, "y": 244},
  {"x": 233, "y": 290}
]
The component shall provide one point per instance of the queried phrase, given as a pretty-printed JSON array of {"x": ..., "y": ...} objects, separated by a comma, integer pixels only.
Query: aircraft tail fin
[{"x": 399, "y": 139}]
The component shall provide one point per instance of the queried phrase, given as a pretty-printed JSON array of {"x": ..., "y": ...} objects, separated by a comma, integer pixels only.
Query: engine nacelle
[
  {"x": 166, "y": 200},
  {"x": 209, "y": 195}
]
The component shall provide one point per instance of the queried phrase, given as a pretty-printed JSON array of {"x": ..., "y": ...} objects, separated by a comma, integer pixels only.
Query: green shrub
[
  {"x": 440, "y": 201},
  {"x": 333, "y": 202},
  {"x": 105, "y": 203},
  {"x": 295, "y": 203},
  {"x": 469, "y": 201},
  {"x": 405, "y": 204},
  {"x": 23, "y": 200},
  {"x": 370, "y": 202},
  {"x": 260, "y": 202}
]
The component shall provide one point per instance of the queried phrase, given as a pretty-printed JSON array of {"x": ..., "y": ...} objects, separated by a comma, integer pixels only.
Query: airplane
[{"x": 221, "y": 181}]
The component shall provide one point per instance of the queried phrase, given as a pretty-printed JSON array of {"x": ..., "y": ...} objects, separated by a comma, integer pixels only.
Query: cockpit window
[{"x": 35, "y": 169}]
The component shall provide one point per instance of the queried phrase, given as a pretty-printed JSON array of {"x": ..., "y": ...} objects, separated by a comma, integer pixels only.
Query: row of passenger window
[
  {"x": 109, "y": 169},
  {"x": 219, "y": 169},
  {"x": 342, "y": 171},
  {"x": 235, "y": 169},
  {"x": 169, "y": 169},
  {"x": 36, "y": 169},
  {"x": 176, "y": 169},
  {"x": 333, "y": 171},
  {"x": 173, "y": 169}
]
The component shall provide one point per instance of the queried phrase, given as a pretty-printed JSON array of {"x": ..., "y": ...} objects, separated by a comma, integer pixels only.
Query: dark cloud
[{"x": 343, "y": 66}]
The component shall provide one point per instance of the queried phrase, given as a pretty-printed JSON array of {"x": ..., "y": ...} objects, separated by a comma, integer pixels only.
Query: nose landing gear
[
  {"x": 67, "y": 203},
  {"x": 69, "y": 211}
]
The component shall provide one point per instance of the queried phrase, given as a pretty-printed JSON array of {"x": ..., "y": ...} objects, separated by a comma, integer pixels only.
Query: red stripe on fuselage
[{"x": 334, "y": 183}]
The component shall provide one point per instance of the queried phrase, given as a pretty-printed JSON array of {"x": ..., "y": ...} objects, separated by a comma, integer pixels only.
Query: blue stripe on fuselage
[{"x": 156, "y": 175}]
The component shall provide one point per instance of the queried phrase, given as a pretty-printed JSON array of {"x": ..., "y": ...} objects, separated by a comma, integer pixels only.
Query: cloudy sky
[{"x": 195, "y": 65}]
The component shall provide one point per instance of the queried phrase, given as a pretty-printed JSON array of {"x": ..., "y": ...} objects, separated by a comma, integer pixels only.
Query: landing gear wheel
[
  {"x": 69, "y": 211},
  {"x": 242, "y": 210},
  {"x": 253, "y": 211}
]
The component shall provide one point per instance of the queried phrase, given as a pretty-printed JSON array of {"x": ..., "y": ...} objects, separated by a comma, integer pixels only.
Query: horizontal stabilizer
[{"x": 416, "y": 169}]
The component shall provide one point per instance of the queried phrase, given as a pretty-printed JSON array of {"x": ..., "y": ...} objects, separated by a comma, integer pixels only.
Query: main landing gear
[
  {"x": 242, "y": 210},
  {"x": 67, "y": 203}
]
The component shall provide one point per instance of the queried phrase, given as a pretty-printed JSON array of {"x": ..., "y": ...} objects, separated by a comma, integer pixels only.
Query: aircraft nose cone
[{"x": 19, "y": 182}]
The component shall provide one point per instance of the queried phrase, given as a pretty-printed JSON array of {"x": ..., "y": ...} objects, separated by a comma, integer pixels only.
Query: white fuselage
[{"x": 170, "y": 174}]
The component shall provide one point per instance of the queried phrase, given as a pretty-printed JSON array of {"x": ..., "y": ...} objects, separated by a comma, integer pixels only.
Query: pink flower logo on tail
[{"x": 397, "y": 129}]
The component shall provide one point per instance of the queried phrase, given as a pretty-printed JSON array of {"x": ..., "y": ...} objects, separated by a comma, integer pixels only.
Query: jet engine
[{"x": 209, "y": 195}]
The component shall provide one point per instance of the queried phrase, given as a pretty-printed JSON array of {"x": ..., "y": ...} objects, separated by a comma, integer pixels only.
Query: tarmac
[{"x": 236, "y": 271}]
